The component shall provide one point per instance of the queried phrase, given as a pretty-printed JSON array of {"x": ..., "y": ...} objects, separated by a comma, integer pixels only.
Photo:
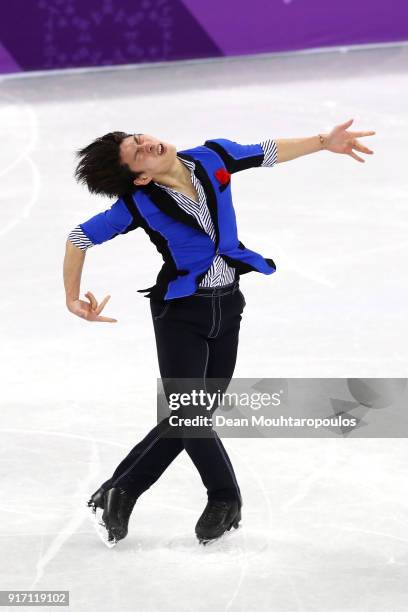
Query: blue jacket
[{"x": 187, "y": 250}]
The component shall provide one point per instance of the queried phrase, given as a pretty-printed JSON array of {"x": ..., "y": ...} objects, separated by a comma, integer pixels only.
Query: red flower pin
[{"x": 223, "y": 177}]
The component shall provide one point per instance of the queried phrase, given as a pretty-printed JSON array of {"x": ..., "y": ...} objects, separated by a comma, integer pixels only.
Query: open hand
[
  {"x": 341, "y": 141},
  {"x": 90, "y": 310}
]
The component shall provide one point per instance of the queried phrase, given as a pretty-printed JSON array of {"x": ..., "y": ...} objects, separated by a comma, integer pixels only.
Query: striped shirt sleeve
[
  {"x": 270, "y": 152},
  {"x": 78, "y": 237}
]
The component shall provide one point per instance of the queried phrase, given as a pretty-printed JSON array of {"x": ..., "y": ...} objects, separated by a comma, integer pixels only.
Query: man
[{"x": 183, "y": 202}]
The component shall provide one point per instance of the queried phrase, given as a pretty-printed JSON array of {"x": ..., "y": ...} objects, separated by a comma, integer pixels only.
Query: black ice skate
[
  {"x": 218, "y": 517},
  {"x": 112, "y": 525},
  {"x": 118, "y": 506}
]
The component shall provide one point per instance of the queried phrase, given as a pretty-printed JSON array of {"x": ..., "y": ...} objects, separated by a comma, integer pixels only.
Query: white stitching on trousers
[
  {"x": 228, "y": 465},
  {"x": 213, "y": 313},
  {"x": 206, "y": 364},
  {"x": 219, "y": 322},
  {"x": 138, "y": 459},
  {"x": 216, "y": 435}
]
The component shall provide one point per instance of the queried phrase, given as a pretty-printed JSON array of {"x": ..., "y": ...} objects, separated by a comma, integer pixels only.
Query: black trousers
[{"x": 197, "y": 339}]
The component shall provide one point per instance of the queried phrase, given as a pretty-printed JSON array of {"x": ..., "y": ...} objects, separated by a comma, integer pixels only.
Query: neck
[{"x": 177, "y": 176}]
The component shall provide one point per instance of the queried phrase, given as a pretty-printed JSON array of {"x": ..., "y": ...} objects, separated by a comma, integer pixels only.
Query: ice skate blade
[
  {"x": 205, "y": 541},
  {"x": 100, "y": 528},
  {"x": 104, "y": 536}
]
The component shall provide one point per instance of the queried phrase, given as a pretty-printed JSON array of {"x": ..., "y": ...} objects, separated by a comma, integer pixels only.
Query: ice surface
[{"x": 324, "y": 521}]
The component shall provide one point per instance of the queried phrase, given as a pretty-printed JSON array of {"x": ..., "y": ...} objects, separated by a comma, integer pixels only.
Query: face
[{"x": 145, "y": 153}]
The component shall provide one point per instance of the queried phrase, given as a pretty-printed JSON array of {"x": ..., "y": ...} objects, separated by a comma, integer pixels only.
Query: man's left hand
[{"x": 339, "y": 140}]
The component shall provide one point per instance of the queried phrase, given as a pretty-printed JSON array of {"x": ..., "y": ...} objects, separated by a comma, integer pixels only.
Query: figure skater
[{"x": 182, "y": 200}]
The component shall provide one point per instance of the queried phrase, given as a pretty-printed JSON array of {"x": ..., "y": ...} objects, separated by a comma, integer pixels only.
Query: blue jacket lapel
[{"x": 209, "y": 191}]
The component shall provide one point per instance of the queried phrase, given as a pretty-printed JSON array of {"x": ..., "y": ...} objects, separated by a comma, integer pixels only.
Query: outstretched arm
[
  {"x": 339, "y": 140},
  {"x": 237, "y": 157}
]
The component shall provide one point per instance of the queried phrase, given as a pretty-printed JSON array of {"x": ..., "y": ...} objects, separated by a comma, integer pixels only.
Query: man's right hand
[{"x": 89, "y": 310}]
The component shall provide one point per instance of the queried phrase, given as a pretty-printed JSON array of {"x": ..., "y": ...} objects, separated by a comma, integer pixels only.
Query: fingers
[
  {"x": 92, "y": 300},
  {"x": 358, "y": 134},
  {"x": 96, "y": 310},
  {"x": 103, "y": 304},
  {"x": 106, "y": 319},
  {"x": 94, "y": 303},
  {"x": 91, "y": 317},
  {"x": 359, "y": 147},
  {"x": 360, "y": 159}
]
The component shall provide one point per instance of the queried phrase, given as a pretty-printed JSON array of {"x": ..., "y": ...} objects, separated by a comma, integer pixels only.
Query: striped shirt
[{"x": 220, "y": 273}]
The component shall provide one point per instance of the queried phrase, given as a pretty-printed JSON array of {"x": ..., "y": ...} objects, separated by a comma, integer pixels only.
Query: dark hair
[{"x": 101, "y": 169}]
